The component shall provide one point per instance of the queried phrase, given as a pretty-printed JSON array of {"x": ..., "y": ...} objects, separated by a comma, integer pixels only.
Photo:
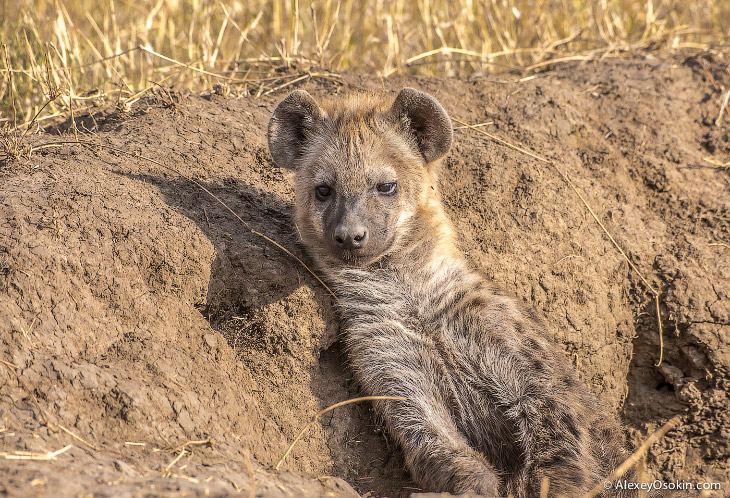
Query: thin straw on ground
[
  {"x": 28, "y": 455},
  {"x": 329, "y": 408}
]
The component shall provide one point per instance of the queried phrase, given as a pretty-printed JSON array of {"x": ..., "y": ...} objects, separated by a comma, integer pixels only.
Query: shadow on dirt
[
  {"x": 651, "y": 391},
  {"x": 650, "y": 397},
  {"x": 248, "y": 271}
]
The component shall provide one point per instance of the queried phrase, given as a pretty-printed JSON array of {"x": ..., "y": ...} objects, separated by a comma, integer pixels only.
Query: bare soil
[{"x": 135, "y": 309}]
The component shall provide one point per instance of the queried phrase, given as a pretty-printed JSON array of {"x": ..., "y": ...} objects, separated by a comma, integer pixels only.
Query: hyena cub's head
[{"x": 364, "y": 168}]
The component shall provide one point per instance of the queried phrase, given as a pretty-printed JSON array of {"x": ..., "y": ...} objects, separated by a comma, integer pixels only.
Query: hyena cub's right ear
[
  {"x": 290, "y": 125},
  {"x": 426, "y": 122}
]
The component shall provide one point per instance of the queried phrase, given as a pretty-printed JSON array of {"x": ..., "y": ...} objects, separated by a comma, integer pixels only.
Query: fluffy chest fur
[{"x": 440, "y": 328}]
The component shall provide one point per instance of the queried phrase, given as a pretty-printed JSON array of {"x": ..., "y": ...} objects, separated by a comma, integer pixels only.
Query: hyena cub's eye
[
  {"x": 387, "y": 188},
  {"x": 322, "y": 192}
]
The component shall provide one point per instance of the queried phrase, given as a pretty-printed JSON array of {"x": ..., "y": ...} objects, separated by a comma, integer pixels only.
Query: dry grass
[
  {"x": 107, "y": 49},
  {"x": 29, "y": 455}
]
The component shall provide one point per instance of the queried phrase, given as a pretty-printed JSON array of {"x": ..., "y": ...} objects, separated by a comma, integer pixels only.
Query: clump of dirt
[{"x": 187, "y": 352}]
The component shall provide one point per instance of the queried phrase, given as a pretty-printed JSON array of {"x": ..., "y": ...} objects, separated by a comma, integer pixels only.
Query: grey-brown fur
[{"x": 492, "y": 405}]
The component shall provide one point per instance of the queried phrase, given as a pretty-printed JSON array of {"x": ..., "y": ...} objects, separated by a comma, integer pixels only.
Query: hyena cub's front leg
[{"x": 437, "y": 454}]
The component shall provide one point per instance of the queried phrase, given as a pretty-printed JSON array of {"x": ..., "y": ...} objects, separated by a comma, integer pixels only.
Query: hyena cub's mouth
[
  {"x": 361, "y": 258},
  {"x": 356, "y": 258}
]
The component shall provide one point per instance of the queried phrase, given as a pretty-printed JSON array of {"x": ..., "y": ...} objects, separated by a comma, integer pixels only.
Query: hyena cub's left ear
[
  {"x": 290, "y": 126},
  {"x": 426, "y": 120}
]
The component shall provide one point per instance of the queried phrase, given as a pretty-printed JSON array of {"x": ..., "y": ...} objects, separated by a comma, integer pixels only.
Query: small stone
[
  {"x": 211, "y": 341},
  {"x": 63, "y": 370},
  {"x": 124, "y": 468},
  {"x": 672, "y": 374},
  {"x": 88, "y": 377},
  {"x": 185, "y": 421}
]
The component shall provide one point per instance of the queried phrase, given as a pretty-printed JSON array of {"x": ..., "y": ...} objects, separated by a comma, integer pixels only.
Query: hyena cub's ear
[
  {"x": 290, "y": 126},
  {"x": 426, "y": 120}
]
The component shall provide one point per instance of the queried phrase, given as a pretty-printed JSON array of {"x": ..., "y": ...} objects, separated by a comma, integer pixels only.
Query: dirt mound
[{"x": 188, "y": 352}]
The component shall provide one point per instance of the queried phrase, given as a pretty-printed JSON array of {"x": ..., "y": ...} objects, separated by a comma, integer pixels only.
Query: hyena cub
[{"x": 491, "y": 405}]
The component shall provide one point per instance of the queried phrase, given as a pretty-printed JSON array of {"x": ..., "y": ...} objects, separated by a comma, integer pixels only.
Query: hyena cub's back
[{"x": 491, "y": 406}]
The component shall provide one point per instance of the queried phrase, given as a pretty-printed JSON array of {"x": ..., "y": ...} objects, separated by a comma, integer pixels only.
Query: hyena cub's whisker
[{"x": 491, "y": 405}]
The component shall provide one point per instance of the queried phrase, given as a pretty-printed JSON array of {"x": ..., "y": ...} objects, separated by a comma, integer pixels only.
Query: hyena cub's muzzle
[{"x": 350, "y": 232}]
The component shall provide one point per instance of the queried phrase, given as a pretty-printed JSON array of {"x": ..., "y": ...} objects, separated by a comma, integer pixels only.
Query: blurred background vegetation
[{"x": 77, "y": 53}]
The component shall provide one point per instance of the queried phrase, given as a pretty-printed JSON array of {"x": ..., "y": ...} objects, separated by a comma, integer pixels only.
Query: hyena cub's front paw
[
  {"x": 464, "y": 472},
  {"x": 472, "y": 475}
]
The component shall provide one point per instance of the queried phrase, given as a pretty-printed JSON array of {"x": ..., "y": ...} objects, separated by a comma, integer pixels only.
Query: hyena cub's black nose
[{"x": 351, "y": 236}]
